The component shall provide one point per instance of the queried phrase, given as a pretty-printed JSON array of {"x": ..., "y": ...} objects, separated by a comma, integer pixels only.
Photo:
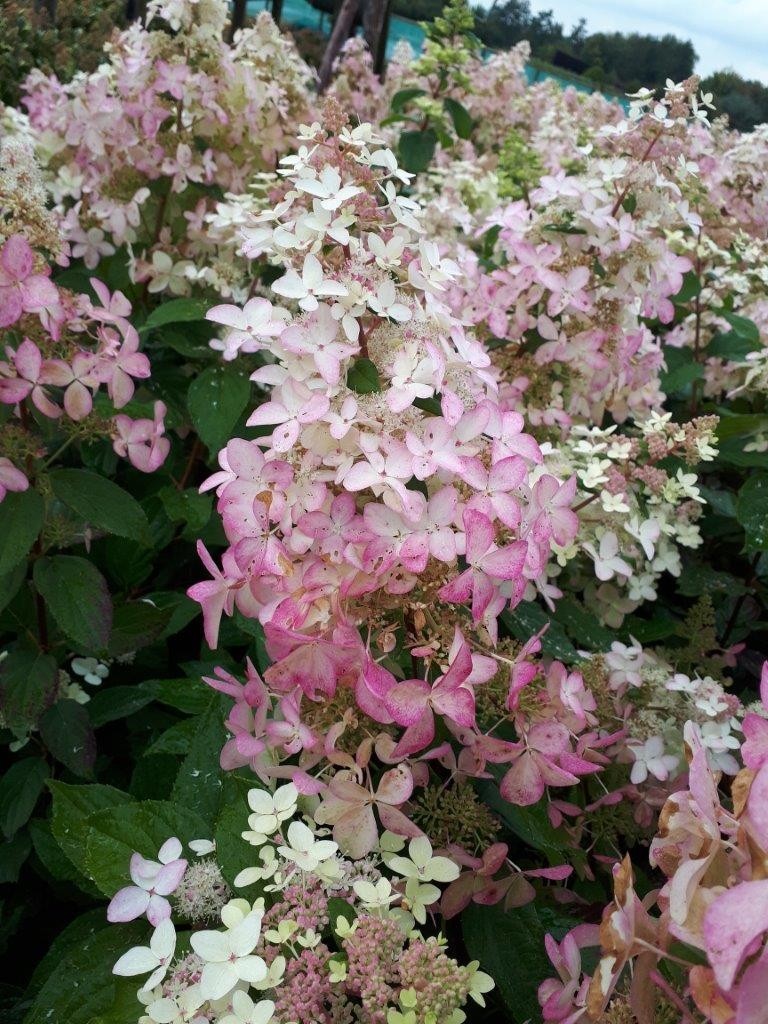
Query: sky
[{"x": 724, "y": 33}]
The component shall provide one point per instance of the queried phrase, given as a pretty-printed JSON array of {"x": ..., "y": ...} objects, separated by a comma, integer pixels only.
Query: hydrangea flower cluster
[
  {"x": 325, "y": 940},
  {"x": 63, "y": 350},
  {"x": 636, "y": 513},
  {"x": 482, "y": 365},
  {"x": 581, "y": 270},
  {"x": 712, "y": 903},
  {"x": 389, "y": 458},
  {"x": 139, "y": 152}
]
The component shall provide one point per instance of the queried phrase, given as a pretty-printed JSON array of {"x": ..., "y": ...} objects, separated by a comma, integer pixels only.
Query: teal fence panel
[{"x": 304, "y": 15}]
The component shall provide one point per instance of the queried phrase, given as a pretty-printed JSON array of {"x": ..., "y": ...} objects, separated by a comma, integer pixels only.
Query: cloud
[{"x": 725, "y": 33}]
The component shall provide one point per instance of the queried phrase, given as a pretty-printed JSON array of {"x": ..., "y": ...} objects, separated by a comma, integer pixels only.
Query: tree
[
  {"x": 341, "y": 29},
  {"x": 743, "y": 100}
]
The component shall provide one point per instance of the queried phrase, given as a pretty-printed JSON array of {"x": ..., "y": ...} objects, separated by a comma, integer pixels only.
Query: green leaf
[
  {"x": 530, "y": 824},
  {"x": 79, "y": 983},
  {"x": 72, "y": 806},
  {"x": 732, "y": 452},
  {"x": 58, "y": 867},
  {"x": 697, "y": 578},
  {"x": 740, "y": 424},
  {"x": 188, "y": 507},
  {"x": 661, "y": 626},
  {"x": 29, "y": 681},
  {"x": 417, "y": 149},
  {"x": 337, "y": 907},
  {"x": 582, "y": 625},
  {"x": 528, "y": 618},
  {"x": 510, "y": 947},
  {"x": 135, "y": 625},
  {"x": 404, "y": 96},
  {"x": 232, "y": 852},
  {"x": 680, "y": 374},
  {"x": 114, "y": 834},
  {"x": 182, "y": 608},
  {"x": 10, "y": 584},
  {"x": 731, "y": 345},
  {"x": 101, "y": 502},
  {"x": 216, "y": 399},
  {"x": 13, "y": 854},
  {"x": 21, "y": 519},
  {"x": 20, "y": 787},
  {"x": 199, "y": 783},
  {"x": 690, "y": 287},
  {"x": 109, "y": 704},
  {"x": 76, "y": 595},
  {"x": 187, "y": 695},
  {"x": 462, "y": 120},
  {"x": 175, "y": 740},
  {"x": 67, "y": 733},
  {"x": 743, "y": 326},
  {"x": 175, "y": 311},
  {"x": 752, "y": 511},
  {"x": 363, "y": 377}
]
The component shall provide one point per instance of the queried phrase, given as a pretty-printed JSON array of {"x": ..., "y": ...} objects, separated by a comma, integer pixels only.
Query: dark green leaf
[
  {"x": 114, "y": 834},
  {"x": 462, "y": 121},
  {"x": 175, "y": 311},
  {"x": 510, "y": 947},
  {"x": 674, "y": 380},
  {"x": 689, "y": 289},
  {"x": 136, "y": 625},
  {"x": 697, "y": 579},
  {"x": 417, "y": 150},
  {"x": 20, "y": 787},
  {"x": 744, "y": 327},
  {"x": 58, "y": 867},
  {"x": 530, "y": 824},
  {"x": 101, "y": 502},
  {"x": 187, "y": 695},
  {"x": 176, "y": 740},
  {"x": 661, "y": 626},
  {"x": 216, "y": 400},
  {"x": 740, "y": 425},
  {"x": 67, "y": 733},
  {"x": 528, "y": 618},
  {"x": 21, "y": 519},
  {"x": 582, "y": 625},
  {"x": 232, "y": 851},
  {"x": 13, "y": 854},
  {"x": 72, "y": 806},
  {"x": 403, "y": 96},
  {"x": 29, "y": 681},
  {"x": 182, "y": 608},
  {"x": 111, "y": 703},
  {"x": 199, "y": 783},
  {"x": 731, "y": 345},
  {"x": 363, "y": 377},
  {"x": 76, "y": 595},
  {"x": 188, "y": 507},
  {"x": 79, "y": 985},
  {"x": 752, "y": 511},
  {"x": 10, "y": 584}
]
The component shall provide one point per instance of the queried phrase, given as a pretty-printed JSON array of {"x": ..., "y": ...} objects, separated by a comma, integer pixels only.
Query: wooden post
[
  {"x": 339, "y": 35},
  {"x": 238, "y": 18},
  {"x": 375, "y": 29},
  {"x": 380, "y": 53},
  {"x": 277, "y": 11}
]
